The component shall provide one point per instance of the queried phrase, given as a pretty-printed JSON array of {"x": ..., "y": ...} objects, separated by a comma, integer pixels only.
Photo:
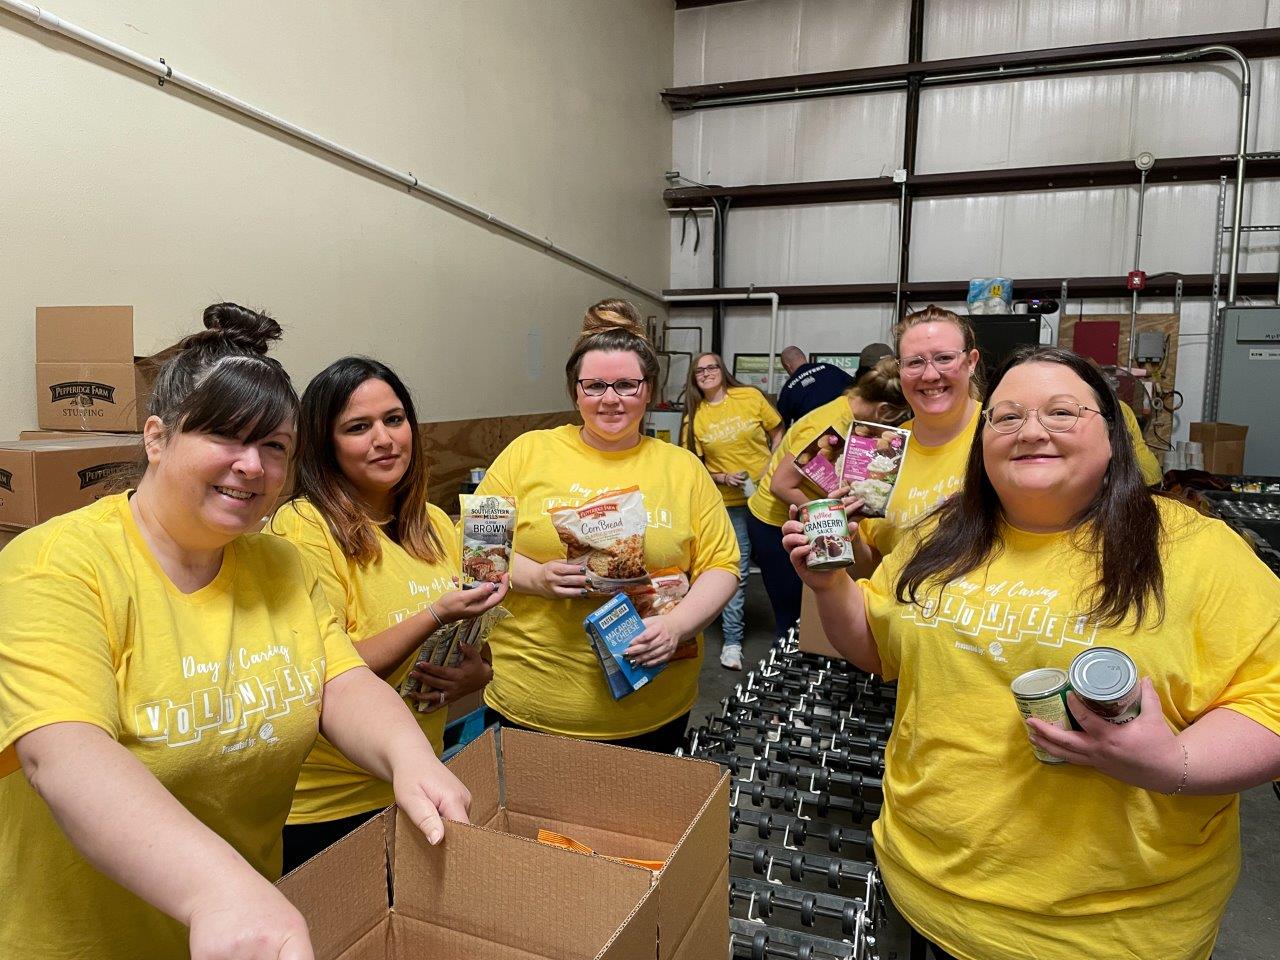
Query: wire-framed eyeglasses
[
  {"x": 1058, "y": 415},
  {"x": 946, "y": 362},
  {"x": 626, "y": 387}
]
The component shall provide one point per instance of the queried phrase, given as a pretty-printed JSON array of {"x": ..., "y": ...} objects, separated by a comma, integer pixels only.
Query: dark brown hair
[
  {"x": 221, "y": 380},
  {"x": 322, "y": 482},
  {"x": 936, "y": 314},
  {"x": 693, "y": 395},
  {"x": 612, "y": 326},
  {"x": 1121, "y": 526}
]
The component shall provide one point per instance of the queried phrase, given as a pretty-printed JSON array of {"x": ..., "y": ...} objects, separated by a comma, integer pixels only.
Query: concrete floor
[{"x": 1251, "y": 928}]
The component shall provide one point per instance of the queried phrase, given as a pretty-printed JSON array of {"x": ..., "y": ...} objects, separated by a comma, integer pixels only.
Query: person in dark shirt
[{"x": 809, "y": 386}]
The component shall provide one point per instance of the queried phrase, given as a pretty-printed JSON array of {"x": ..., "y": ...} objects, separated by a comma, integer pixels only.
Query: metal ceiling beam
[{"x": 959, "y": 70}]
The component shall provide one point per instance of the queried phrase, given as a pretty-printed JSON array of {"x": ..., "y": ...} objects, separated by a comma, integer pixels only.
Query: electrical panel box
[
  {"x": 1150, "y": 346},
  {"x": 1249, "y": 387}
]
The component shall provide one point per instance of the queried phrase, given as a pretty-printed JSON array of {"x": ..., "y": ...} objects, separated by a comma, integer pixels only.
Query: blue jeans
[
  {"x": 781, "y": 581},
  {"x": 731, "y": 619}
]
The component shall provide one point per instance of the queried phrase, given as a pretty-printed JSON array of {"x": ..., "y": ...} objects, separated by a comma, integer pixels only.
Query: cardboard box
[
  {"x": 1223, "y": 445},
  {"x": 87, "y": 377},
  {"x": 384, "y": 893},
  {"x": 40, "y": 479},
  {"x": 619, "y": 802},
  {"x": 811, "y": 638}
]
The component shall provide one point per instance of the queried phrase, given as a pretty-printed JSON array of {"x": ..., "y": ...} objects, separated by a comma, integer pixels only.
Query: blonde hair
[
  {"x": 612, "y": 326},
  {"x": 883, "y": 384}
]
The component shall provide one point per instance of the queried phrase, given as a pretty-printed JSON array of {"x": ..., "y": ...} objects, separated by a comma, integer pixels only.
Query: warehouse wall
[
  {"x": 116, "y": 191},
  {"x": 1176, "y": 111}
]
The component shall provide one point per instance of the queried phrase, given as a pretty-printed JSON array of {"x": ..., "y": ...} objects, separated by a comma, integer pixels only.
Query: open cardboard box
[
  {"x": 384, "y": 893},
  {"x": 40, "y": 479},
  {"x": 622, "y": 803},
  {"x": 1223, "y": 445},
  {"x": 87, "y": 377}
]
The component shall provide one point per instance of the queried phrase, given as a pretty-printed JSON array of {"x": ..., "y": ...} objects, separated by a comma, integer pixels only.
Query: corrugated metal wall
[{"x": 1173, "y": 111}]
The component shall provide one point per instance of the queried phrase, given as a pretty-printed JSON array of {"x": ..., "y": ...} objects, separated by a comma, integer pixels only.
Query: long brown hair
[
  {"x": 936, "y": 314},
  {"x": 1121, "y": 526},
  {"x": 693, "y": 395},
  {"x": 321, "y": 480},
  {"x": 612, "y": 326}
]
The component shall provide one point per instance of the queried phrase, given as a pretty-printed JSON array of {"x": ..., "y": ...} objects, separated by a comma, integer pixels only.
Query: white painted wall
[
  {"x": 117, "y": 191},
  {"x": 1170, "y": 111}
]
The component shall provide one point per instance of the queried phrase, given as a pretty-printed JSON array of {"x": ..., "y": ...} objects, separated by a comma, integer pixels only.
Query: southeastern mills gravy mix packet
[
  {"x": 488, "y": 526},
  {"x": 819, "y": 459},
  {"x": 444, "y": 647},
  {"x": 873, "y": 455}
]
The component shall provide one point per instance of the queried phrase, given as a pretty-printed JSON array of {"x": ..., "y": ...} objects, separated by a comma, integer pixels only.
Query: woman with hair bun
[
  {"x": 545, "y": 675},
  {"x": 163, "y": 672}
]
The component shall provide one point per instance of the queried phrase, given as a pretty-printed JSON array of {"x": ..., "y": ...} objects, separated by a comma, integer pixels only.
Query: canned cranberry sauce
[{"x": 827, "y": 529}]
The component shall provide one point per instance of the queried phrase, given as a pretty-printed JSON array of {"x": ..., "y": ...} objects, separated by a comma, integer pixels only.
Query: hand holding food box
[
  {"x": 819, "y": 461},
  {"x": 606, "y": 535},
  {"x": 611, "y": 630},
  {"x": 873, "y": 458}
]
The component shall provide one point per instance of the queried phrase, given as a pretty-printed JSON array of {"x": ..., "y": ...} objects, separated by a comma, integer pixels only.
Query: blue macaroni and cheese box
[{"x": 611, "y": 629}]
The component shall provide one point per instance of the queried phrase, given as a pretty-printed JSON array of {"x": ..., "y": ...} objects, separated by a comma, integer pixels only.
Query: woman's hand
[
  {"x": 733, "y": 479},
  {"x": 657, "y": 644},
  {"x": 852, "y": 508},
  {"x": 429, "y": 794},
  {"x": 1143, "y": 752},
  {"x": 249, "y": 924},
  {"x": 559, "y": 580},
  {"x": 466, "y": 604},
  {"x": 449, "y": 684},
  {"x": 798, "y": 547}
]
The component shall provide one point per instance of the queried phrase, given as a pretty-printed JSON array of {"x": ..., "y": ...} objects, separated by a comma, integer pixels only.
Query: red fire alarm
[{"x": 1137, "y": 280}]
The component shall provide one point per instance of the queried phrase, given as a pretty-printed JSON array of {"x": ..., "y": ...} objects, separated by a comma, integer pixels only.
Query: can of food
[
  {"x": 1042, "y": 694},
  {"x": 827, "y": 528},
  {"x": 1106, "y": 681}
]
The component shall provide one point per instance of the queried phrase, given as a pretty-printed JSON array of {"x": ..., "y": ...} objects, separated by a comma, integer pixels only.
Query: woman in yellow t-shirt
[
  {"x": 1054, "y": 546},
  {"x": 732, "y": 428},
  {"x": 942, "y": 381},
  {"x": 386, "y": 559},
  {"x": 165, "y": 670},
  {"x": 545, "y": 675},
  {"x": 877, "y": 396}
]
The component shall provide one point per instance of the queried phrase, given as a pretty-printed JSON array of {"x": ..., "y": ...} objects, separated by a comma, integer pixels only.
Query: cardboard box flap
[
  {"x": 84, "y": 334},
  {"x": 708, "y": 926},
  {"x": 477, "y": 766},
  {"x": 350, "y": 898},
  {"x": 663, "y": 793},
  {"x": 88, "y": 442},
  {"x": 515, "y": 892},
  {"x": 699, "y": 861}
]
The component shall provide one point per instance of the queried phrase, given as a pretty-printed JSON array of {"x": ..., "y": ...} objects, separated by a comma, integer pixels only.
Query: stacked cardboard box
[
  {"x": 87, "y": 377},
  {"x": 40, "y": 479},
  {"x": 1223, "y": 445},
  {"x": 490, "y": 892}
]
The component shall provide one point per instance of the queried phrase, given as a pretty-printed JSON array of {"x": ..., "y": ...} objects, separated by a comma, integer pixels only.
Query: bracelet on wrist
[{"x": 435, "y": 616}]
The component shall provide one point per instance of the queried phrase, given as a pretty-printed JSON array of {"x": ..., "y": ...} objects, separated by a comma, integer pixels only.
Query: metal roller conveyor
[
  {"x": 792, "y": 833},
  {"x": 877, "y": 719},
  {"x": 760, "y": 899},
  {"x": 813, "y": 778},
  {"x": 778, "y": 865},
  {"x": 750, "y": 940}
]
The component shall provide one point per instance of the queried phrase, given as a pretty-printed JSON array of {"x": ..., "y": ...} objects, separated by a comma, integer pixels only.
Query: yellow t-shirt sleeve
[
  {"x": 715, "y": 546},
  {"x": 339, "y": 652},
  {"x": 1147, "y": 463},
  {"x": 769, "y": 417},
  {"x": 879, "y": 603},
  {"x": 870, "y": 529},
  {"x": 57, "y": 663},
  {"x": 301, "y": 524}
]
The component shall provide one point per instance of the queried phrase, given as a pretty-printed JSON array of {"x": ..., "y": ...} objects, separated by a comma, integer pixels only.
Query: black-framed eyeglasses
[
  {"x": 626, "y": 387},
  {"x": 1058, "y": 415},
  {"x": 707, "y": 369}
]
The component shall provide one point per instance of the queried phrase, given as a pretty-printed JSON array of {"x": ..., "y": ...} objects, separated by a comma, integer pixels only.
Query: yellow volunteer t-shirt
[
  {"x": 545, "y": 674},
  {"x": 733, "y": 435},
  {"x": 1147, "y": 463},
  {"x": 216, "y": 692},
  {"x": 837, "y": 413},
  {"x": 371, "y": 599},
  {"x": 997, "y": 856},
  {"x": 929, "y": 475}
]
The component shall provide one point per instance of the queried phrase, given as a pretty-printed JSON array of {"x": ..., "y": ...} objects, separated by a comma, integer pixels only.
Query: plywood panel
[
  {"x": 1159, "y": 427},
  {"x": 455, "y": 446}
]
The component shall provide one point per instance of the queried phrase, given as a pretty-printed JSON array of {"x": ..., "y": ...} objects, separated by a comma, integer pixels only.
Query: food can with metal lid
[
  {"x": 1106, "y": 681},
  {"x": 1042, "y": 694},
  {"x": 827, "y": 528}
]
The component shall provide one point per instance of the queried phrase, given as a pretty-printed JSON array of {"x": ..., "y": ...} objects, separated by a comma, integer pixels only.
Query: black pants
[
  {"x": 304, "y": 840},
  {"x": 780, "y": 579},
  {"x": 665, "y": 739}
]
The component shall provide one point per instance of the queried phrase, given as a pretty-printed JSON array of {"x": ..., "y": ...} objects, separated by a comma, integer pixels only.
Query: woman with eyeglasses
[
  {"x": 876, "y": 397},
  {"x": 732, "y": 428},
  {"x": 545, "y": 675},
  {"x": 1129, "y": 844},
  {"x": 942, "y": 381}
]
